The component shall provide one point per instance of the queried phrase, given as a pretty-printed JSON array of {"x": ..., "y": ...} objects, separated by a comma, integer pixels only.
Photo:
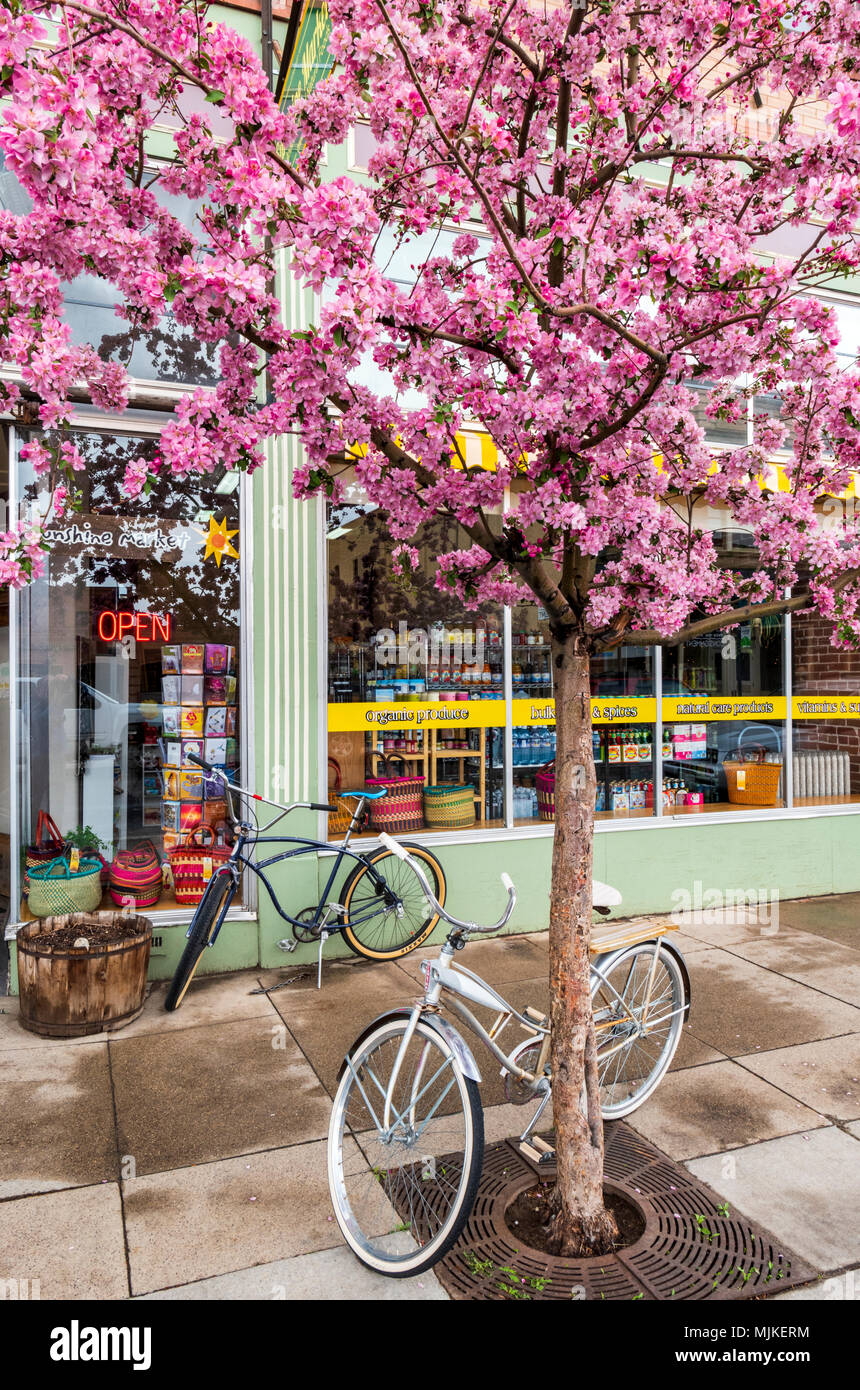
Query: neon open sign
[{"x": 143, "y": 627}]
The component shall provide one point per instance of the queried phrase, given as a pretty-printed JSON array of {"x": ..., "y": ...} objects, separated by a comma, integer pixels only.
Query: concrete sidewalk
[{"x": 184, "y": 1157}]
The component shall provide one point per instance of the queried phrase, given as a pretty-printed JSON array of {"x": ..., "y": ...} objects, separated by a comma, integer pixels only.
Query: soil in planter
[
  {"x": 96, "y": 933},
  {"x": 528, "y": 1218}
]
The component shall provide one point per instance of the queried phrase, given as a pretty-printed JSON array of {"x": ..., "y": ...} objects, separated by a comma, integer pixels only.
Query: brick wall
[{"x": 819, "y": 668}]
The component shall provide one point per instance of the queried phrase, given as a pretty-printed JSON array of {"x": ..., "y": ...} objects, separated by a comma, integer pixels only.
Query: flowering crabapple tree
[{"x": 619, "y": 199}]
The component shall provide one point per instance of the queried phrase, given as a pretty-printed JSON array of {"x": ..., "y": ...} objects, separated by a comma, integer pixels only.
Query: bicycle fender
[
  {"x": 457, "y": 1044},
  {"x": 604, "y": 962}
]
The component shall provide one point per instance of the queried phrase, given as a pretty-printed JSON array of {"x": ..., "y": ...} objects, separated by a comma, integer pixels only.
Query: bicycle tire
[
  {"x": 384, "y": 935},
  {"x": 398, "y": 1218},
  {"x": 629, "y": 1075},
  {"x": 202, "y": 925}
]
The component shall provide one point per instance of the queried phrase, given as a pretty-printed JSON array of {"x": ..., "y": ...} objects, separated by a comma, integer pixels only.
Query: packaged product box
[
  {"x": 619, "y": 800},
  {"x": 682, "y": 750},
  {"x": 171, "y": 720},
  {"x": 191, "y": 721},
  {"x": 170, "y": 688},
  {"x": 600, "y": 802},
  {"x": 667, "y": 748},
  {"x": 215, "y": 750},
  {"x": 171, "y": 784},
  {"x": 192, "y": 658},
  {"x": 385, "y": 694},
  {"x": 190, "y": 815},
  {"x": 695, "y": 799},
  {"x": 190, "y": 785},
  {"x": 191, "y": 746},
  {"x": 171, "y": 839},
  {"x": 170, "y": 815},
  {"x": 215, "y": 690},
  {"x": 171, "y": 752},
  {"x": 152, "y": 784},
  {"x": 636, "y": 796},
  {"x": 213, "y": 786},
  {"x": 216, "y": 721},
  {"x": 192, "y": 690},
  {"x": 216, "y": 659},
  {"x": 215, "y": 813},
  {"x": 171, "y": 661}
]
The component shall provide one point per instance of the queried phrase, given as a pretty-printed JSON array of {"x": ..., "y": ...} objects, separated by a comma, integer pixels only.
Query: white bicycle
[{"x": 406, "y": 1137}]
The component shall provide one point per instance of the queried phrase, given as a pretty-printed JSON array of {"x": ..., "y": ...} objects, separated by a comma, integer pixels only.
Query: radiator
[{"x": 821, "y": 774}]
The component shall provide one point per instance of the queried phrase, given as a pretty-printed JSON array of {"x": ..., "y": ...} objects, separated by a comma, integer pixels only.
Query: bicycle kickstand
[
  {"x": 539, "y": 1151},
  {"x": 324, "y": 936}
]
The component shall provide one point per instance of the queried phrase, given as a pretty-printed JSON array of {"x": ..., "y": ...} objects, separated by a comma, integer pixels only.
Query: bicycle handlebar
[{"x": 403, "y": 853}]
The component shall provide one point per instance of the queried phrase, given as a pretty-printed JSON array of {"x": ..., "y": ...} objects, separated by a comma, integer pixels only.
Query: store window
[
  {"x": 724, "y": 708},
  {"x": 129, "y": 658},
  {"x": 826, "y": 710},
  {"x": 416, "y": 682}
]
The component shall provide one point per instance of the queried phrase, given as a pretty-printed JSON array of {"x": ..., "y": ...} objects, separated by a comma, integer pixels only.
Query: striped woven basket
[
  {"x": 545, "y": 785},
  {"x": 55, "y": 890},
  {"x": 401, "y": 809},
  {"x": 449, "y": 806},
  {"x": 135, "y": 876},
  {"x": 193, "y": 863}
]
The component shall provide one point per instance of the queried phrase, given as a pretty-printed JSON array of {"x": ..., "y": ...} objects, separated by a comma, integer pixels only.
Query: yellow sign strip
[
  {"x": 825, "y": 706},
  {"x": 429, "y": 714}
]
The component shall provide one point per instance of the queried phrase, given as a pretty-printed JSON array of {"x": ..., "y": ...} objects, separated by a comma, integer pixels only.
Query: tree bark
[{"x": 581, "y": 1225}]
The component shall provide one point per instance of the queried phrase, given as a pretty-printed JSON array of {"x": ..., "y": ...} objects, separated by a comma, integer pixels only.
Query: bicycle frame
[{"x": 248, "y": 834}]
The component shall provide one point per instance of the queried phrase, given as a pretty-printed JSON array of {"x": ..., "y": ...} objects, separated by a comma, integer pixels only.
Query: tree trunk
[{"x": 581, "y": 1225}]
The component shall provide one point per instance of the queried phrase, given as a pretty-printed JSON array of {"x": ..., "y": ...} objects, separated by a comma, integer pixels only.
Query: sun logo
[{"x": 218, "y": 541}]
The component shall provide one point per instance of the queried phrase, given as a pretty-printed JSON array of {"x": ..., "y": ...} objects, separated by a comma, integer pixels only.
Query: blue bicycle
[{"x": 382, "y": 910}]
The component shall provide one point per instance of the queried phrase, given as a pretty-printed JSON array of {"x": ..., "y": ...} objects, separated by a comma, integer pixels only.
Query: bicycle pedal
[{"x": 287, "y": 944}]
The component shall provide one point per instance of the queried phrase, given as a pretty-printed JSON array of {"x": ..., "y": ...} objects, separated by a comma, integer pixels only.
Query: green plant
[
  {"x": 477, "y": 1266},
  {"x": 84, "y": 837},
  {"x": 704, "y": 1229}
]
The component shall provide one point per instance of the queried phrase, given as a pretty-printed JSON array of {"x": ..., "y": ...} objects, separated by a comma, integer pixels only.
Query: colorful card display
[
  {"x": 192, "y": 658},
  {"x": 191, "y": 721},
  {"x": 192, "y": 690}
]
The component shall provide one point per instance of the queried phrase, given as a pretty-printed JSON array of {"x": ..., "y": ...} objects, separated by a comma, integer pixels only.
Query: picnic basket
[
  {"x": 56, "y": 889},
  {"x": 401, "y": 809},
  {"x": 750, "y": 780},
  {"x": 449, "y": 806},
  {"x": 136, "y": 876},
  {"x": 545, "y": 786},
  {"x": 339, "y": 820},
  {"x": 193, "y": 862}
]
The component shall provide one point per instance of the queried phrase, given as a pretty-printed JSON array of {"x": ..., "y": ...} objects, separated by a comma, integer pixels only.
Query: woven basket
[
  {"x": 401, "y": 809},
  {"x": 47, "y": 846},
  {"x": 192, "y": 864},
  {"x": 339, "y": 820},
  {"x": 56, "y": 891},
  {"x": 136, "y": 876},
  {"x": 750, "y": 780},
  {"x": 545, "y": 785},
  {"x": 449, "y": 807}
]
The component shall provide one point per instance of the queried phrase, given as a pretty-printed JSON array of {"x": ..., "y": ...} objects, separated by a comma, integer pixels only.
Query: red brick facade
[{"x": 819, "y": 668}]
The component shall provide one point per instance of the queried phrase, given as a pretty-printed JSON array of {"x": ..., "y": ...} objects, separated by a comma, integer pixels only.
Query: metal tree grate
[{"x": 676, "y": 1257}]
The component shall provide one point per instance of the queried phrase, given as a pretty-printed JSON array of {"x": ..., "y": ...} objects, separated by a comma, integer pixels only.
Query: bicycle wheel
[
  {"x": 402, "y": 1196},
  {"x": 203, "y": 923},
  {"x": 638, "y": 1018},
  {"x": 383, "y": 922}
]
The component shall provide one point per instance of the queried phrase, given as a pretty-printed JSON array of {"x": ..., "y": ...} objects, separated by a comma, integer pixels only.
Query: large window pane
[
  {"x": 129, "y": 659},
  {"x": 416, "y": 681},
  {"x": 826, "y": 741}
]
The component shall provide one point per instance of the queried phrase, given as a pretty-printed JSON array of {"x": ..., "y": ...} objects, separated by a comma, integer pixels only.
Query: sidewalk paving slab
[
  {"x": 716, "y": 1107},
  {"x": 325, "y": 1022},
  {"x": 324, "y": 1276},
  {"x": 71, "y": 1241},
  {"x": 824, "y": 1075},
  {"x": 206, "y": 1093},
  {"x": 804, "y": 1188},
  {"x": 838, "y": 1288},
  {"x": 215, "y": 1218},
  {"x": 56, "y": 1119},
  {"x": 800, "y": 957},
  {"x": 739, "y": 1007},
  {"x": 836, "y": 918}
]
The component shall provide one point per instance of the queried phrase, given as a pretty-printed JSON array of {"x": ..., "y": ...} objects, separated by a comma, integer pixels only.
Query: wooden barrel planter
[{"x": 67, "y": 991}]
